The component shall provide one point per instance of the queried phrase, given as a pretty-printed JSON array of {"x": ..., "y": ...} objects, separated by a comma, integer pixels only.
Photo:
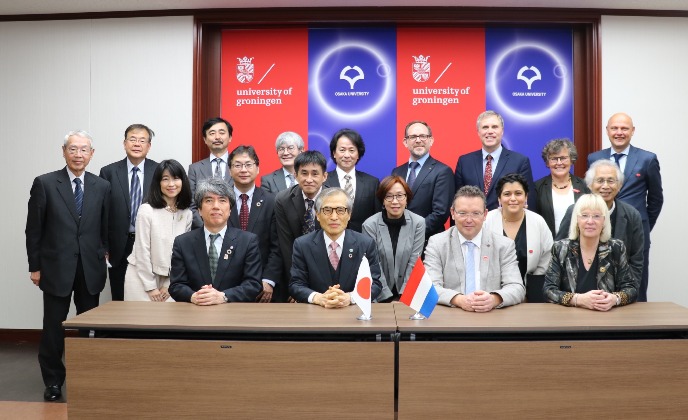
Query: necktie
[
  {"x": 348, "y": 188},
  {"x": 134, "y": 195},
  {"x": 308, "y": 222},
  {"x": 243, "y": 213},
  {"x": 290, "y": 177},
  {"x": 617, "y": 157},
  {"x": 212, "y": 255},
  {"x": 470, "y": 267},
  {"x": 412, "y": 173},
  {"x": 488, "y": 174},
  {"x": 218, "y": 168},
  {"x": 334, "y": 258},
  {"x": 78, "y": 196}
]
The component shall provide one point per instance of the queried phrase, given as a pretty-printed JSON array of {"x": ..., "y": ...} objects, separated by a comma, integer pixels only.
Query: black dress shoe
[{"x": 52, "y": 393}]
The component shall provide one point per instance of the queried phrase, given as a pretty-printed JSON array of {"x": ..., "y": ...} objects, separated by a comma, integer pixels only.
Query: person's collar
[
  {"x": 623, "y": 152},
  {"x": 340, "y": 240},
  {"x": 611, "y": 210},
  {"x": 224, "y": 157},
  {"x": 130, "y": 165},
  {"x": 422, "y": 160},
  {"x": 250, "y": 192},
  {"x": 286, "y": 172},
  {"x": 221, "y": 232},
  {"x": 476, "y": 241},
  {"x": 316, "y": 194},
  {"x": 341, "y": 173},
  {"x": 72, "y": 177},
  {"x": 495, "y": 155}
]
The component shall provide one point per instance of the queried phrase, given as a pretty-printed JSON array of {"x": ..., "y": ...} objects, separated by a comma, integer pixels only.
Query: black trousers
[
  {"x": 55, "y": 310},
  {"x": 119, "y": 270}
]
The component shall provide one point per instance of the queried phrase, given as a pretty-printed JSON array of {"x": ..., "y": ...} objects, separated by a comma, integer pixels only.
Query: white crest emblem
[
  {"x": 244, "y": 70},
  {"x": 352, "y": 80},
  {"x": 528, "y": 81},
  {"x": 421, "y": 68}
]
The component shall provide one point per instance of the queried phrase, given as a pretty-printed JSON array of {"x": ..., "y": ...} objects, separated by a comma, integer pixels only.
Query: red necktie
[
  {"x": 243, "y": 213},
  {"x": 488, "y": 174}
]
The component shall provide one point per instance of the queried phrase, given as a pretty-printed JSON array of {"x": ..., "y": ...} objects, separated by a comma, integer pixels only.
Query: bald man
[{"x": 642, "y": 186}]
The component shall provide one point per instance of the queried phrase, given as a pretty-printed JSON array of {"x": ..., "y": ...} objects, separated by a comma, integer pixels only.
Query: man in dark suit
[
  {"x": 66, "y": 242},
  {"x": 217, "y": 134},
  {"x": 429, "y": 179},
  {"x": 347, "y": 149},
  {"x": 605, "y": 179},
  {"x": 129, "y": 178},
  {"x": 218, "y": 263},
  {"x": 642, "y": 187},
  {"x": 484, "y": 167},
  {"x": 326, "y": 262},
  {"x": 255, "y": 213},
  {"x": 288, "y": 146},
  {"x": 295, "y": 210}
]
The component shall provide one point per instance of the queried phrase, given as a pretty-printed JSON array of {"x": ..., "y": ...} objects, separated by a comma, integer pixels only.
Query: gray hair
[
  {"x": 590, "y": 174},
  {"x": 78, "y": 133},
  {"x": 488, "y": 113},
  {"x": 469, "y": 191},
  {"x": 555, "y": 146},
  {"x": 595, "y": 203},
  {"x": 289, "y": 138},
  {"x": 215, "y": 186},
  {"x": 332, "y": 191}
]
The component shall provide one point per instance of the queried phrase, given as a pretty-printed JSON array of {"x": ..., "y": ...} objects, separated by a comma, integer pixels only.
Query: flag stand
[
  {"x": 417, "y": 317},
  {"x": 362, "y": 317}
]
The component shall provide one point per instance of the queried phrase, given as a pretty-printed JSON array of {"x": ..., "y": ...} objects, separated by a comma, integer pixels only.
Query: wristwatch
[
  {"x": 618, "y": 300},
  {"x": 224, "y": 296}
]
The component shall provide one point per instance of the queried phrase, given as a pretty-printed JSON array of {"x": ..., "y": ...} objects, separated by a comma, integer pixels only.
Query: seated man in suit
[
  {"x": 325, "y": 263},
  {"x": 484, "y": 167},
  {"x": 471, "y": 267},
  {"x": 215, "y": 264},
  {"x": 288, "y": 146},
  {"x": 255, "y": 213},
  {"x": 217, "y": 134}
]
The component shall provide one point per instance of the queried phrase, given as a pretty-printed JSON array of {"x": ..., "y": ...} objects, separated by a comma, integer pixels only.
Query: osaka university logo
[
  {"x": 421, "y": 68},
  {"x": 529, "y": 81},
  {"x": 244, "y": 70}
]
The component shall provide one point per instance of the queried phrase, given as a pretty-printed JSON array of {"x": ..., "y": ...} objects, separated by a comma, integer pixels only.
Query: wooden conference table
[{"x": 302, "y": 361}]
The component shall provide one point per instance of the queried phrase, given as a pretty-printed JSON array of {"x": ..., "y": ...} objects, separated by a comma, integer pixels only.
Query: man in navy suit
[
  {"x": 122, "y": 222},
  {"x": 642, "y": 188},
  {"x": 325, "y": 262},
  {"x": 255, "y": 213},
  {"x": 471, "y": 167},
  {"x": 217, "y": 134},
  {"x": 429, "y": 179},
  {"x": 217, "y": 263},
  {"x": 66, "y": 242}
]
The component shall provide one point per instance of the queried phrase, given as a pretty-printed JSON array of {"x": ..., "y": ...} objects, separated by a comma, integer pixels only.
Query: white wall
[
  {"x": 97, "y": 75},
  {"x": 643, "y": 74}
]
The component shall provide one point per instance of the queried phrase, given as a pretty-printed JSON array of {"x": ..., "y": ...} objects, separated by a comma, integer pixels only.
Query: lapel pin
[
  {"x": 602, "y": 269},
  {"x": 576, "y": 191},
  {"x": 351, "y": 256},
  {"x": 484, "y": 257},
  {"x": 637, "y": 175},
  {"x": 259, "y": 203},
  {"x": 530, "y": 251}
]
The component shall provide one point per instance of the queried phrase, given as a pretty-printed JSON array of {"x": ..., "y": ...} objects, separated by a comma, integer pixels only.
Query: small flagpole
[
  {"x": 363, "y": 317},
  {"x": 417, "y": 317}
]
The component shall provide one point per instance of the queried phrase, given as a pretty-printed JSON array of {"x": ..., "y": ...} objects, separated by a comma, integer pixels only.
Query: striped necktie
[
  {"x": 135, "y": 194},
  {"x": 78, "y": 196}
]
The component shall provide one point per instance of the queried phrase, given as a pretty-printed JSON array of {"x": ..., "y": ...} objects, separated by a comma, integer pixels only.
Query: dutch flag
[{"x": 419, "y": 293}]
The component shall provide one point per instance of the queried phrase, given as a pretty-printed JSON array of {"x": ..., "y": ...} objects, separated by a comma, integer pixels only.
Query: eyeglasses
[
  {"x": 593, "y": 217},
  {"x": 556, "y": 159},
  {"x": 421, "y": 137},
  {"x": 76, "y": 150},
  {"x": 134, "y": 140},
  {"x": 466, "y": 215},
  {"x": 609, "y": 181},
  {"x": 328, "y": 210},
  {"x": 391, "y": 197},
  {"x": 283, "y": 150},
  {"x": 247, "y": 165}
]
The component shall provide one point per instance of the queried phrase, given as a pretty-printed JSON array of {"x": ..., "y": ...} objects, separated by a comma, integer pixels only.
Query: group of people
[{"x": 213, "y": 235}]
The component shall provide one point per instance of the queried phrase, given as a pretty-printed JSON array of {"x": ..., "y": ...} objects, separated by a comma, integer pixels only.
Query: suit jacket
[
  {"x": 56, "y": 236},
  {"x": 120, "y": 204},
  {"x": 365, "y": 202},
  {"x": 642, "y": 187},
  {"x": 198, "y": 172},
  {"x": 311, "y": 270},
  {"x": 543, "y": 192},
  {"x": 433, "y": 192},
  {"x": 538, "y": 238},
  {"x": 273, "y": 182},
  {"x": 469, "y": 171},
  {"x": 238, "y": 267},
  {"x": 628, "y": 228},
  {"x": 613, "y": 275},
  {"x": 396, "y": 270},
  {"x": 498, "y": 267},
  {"x": 262, "y": 223}
]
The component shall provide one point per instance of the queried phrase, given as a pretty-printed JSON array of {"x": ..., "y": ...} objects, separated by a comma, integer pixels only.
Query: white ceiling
[{"x": 30, "y": 7}]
